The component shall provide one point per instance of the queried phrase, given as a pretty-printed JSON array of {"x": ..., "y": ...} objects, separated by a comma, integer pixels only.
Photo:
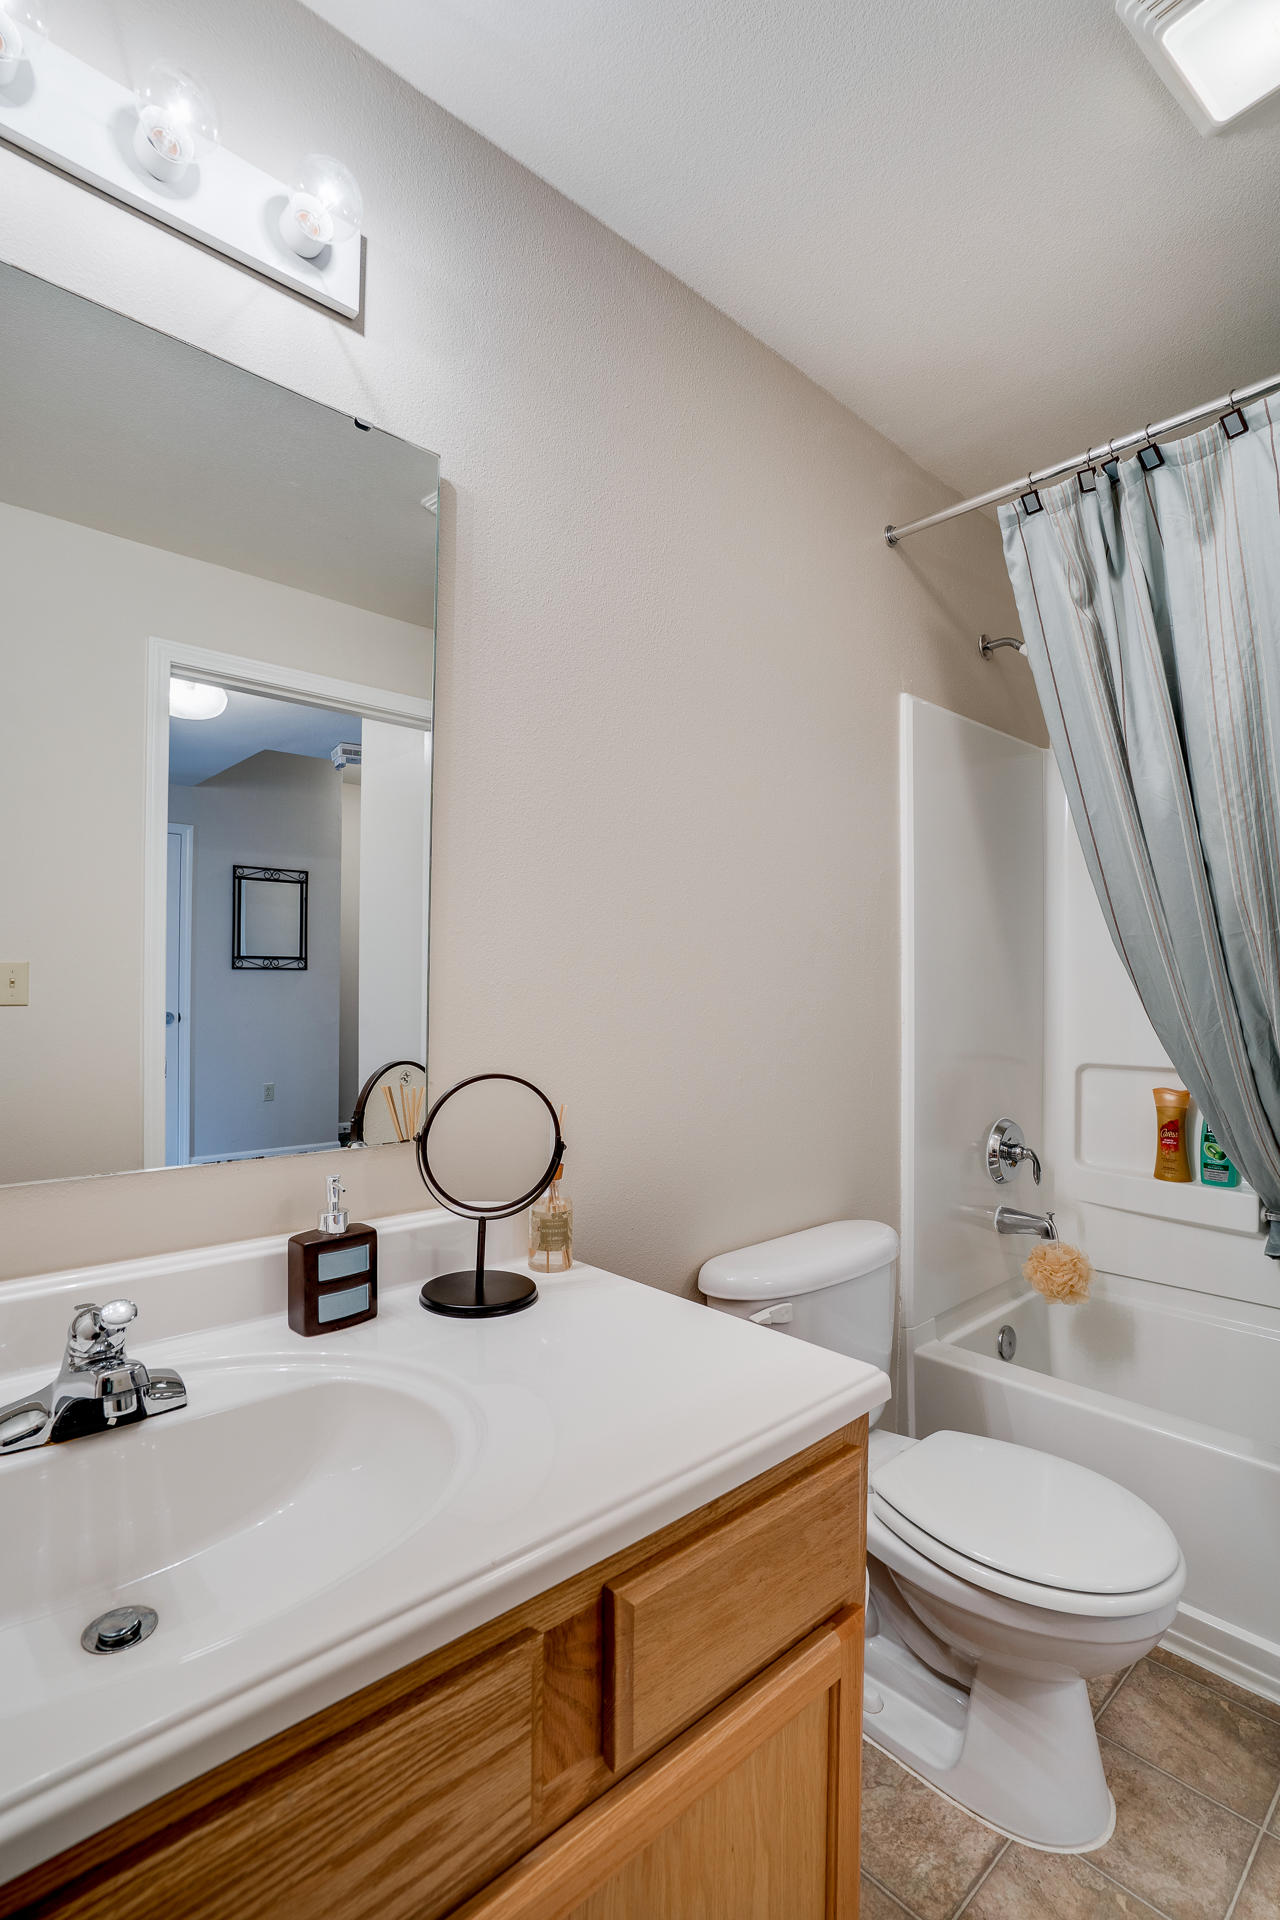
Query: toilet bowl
[{"x": 1001, "y": 1579}]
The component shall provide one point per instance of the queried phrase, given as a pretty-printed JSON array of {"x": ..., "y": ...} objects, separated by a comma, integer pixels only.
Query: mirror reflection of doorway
[{"x": 327, "y": 806}]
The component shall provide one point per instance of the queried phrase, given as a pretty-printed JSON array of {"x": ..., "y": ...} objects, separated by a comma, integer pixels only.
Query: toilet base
[{"x": 1021, "y": 1754}]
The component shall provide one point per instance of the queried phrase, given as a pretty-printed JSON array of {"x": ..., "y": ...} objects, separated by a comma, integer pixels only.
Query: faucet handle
[
  {"x": 1006, "y": 1150},
  {"x": 1027, "y": 1153},
  {"x": 97, "y": 1334}
]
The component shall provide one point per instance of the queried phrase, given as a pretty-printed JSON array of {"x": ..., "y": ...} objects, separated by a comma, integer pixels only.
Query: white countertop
[{"x": 574, "y": 1429}]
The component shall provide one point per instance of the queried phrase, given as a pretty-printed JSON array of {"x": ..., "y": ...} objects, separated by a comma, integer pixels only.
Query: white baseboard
[{"x": 1230, "y": 1652}]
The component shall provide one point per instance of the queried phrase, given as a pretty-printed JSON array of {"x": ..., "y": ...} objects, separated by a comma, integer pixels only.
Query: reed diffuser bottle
[{"x": 551, "y": 1226}]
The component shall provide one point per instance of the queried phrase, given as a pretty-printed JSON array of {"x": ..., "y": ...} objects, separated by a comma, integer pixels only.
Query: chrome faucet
[
  {"x": 98, "y": 1388},
  {"x": 1014, "y": 1220}
]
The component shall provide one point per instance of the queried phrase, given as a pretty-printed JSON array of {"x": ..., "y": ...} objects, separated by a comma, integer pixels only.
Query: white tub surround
[
  {"x": 324, "y": 1511},
  {"x": 972, "y": 873},
  {"x": 1165, "y": 1390}
]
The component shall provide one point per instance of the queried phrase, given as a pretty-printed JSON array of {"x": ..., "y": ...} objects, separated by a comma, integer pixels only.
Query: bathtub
[{"x": 1174, "y": 1394}]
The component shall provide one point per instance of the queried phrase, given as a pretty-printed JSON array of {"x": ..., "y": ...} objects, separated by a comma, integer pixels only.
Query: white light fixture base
[
  {"x": 83, "y": 123},
  {"x": 1219, "y": 58}
]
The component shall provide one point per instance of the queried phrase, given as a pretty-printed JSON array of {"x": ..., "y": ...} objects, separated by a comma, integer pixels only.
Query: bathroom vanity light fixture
[
  {"x": 22, "y": 30},
  {"x": 195, "y": 700},
  {"x": 157, "y": 151},
  {"x": 1218, "y": 58},
  {"x": 177, "y": 121},
  {"x": 325, "y": 208}
]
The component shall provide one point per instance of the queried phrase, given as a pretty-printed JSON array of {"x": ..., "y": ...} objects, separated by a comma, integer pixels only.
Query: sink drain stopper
[{"x": 120, "y": 1628}]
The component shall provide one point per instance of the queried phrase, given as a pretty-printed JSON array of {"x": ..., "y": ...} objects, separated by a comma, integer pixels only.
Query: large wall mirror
[{"x": 217, "y": 627}]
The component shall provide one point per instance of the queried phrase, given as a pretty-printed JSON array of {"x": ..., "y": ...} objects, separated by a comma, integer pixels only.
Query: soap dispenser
[{"x": 333, "y": 1271}]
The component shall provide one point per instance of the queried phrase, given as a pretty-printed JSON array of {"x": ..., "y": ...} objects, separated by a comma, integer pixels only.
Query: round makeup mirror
[{"x": 488, "y": 1148}]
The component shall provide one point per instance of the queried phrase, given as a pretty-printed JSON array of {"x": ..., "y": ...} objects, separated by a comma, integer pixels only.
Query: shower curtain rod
[{"x": 1109, "y": 450}]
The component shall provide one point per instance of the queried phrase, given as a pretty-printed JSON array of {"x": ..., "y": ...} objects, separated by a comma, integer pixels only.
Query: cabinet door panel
[{"x": 754, "y": 1848}]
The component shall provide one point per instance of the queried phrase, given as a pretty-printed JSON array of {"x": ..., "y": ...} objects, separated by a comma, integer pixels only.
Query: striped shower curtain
[{"x": 1151, "y": 611}]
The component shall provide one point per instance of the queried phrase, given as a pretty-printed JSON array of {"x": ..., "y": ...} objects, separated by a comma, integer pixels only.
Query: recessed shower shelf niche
[
  {"x": 81, "y": 122},
  {"x": 1233, "y": 1210}
]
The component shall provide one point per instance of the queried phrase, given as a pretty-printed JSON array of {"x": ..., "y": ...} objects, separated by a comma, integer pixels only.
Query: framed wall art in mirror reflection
[{"x": 269, "y": 919}]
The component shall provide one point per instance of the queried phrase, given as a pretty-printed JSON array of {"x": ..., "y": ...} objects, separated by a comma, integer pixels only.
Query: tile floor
[{"x": 1194, "y": 1764}]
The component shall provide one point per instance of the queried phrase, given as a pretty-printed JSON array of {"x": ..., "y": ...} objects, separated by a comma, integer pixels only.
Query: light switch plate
[{"x": 13, "y": 982}]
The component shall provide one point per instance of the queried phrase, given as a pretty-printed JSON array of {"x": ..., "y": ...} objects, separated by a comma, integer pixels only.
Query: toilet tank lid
[{"x": 800, "y": 1262}]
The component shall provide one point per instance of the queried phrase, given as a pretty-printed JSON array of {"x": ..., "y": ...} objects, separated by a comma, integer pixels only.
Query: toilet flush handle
[{"x": 779, "y": 1314}]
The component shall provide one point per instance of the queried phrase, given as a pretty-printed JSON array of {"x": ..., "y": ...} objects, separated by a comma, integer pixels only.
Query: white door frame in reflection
[{"x": 234, "y": 672}]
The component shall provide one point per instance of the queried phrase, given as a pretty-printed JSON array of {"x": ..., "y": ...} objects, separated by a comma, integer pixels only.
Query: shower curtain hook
[
  {"x": 1233, "y": 422},
  {"x": 1030, "y": 499},
  {"x": 1150, "y": 456}
]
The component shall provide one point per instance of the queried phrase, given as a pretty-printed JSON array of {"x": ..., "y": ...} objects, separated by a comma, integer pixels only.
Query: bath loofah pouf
[{"x": 1059, "y": 1272}]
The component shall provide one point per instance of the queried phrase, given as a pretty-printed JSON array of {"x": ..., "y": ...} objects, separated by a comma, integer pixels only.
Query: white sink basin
[
  {"x": 280, "y": 1480},
  {"x": 269, "y": 1487}
]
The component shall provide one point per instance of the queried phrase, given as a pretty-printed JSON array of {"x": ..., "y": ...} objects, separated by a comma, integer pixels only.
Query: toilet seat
[{"x": 1026, "y": 1525}]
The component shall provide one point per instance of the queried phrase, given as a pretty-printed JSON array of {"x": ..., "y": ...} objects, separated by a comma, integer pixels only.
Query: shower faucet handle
[{"x": 1006, "y": 1151}]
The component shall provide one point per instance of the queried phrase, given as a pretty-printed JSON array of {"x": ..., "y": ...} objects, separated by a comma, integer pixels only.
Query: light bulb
[
  {"x": 22, "y": 27},
  {"x": 177, "y": 122},
  {"x": 324, "y": 209},
  {"x": 195, "y": 700}
]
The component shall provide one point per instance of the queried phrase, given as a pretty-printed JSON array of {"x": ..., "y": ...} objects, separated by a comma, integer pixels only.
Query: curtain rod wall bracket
[{"x": 989, "y": 648}]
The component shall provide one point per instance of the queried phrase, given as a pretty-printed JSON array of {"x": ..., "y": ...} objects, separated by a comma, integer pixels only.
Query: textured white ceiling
[{"x": 982, "y": 224}]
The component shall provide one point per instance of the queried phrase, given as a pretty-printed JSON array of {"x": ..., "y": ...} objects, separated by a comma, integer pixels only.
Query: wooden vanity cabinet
[{"x": 672, "y": 1735}]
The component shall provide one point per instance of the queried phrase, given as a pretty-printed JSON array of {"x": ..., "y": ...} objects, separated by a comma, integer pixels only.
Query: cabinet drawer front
[
  {"x": 691, "y": 1626},
  {"x": 399, "y": 1819}
]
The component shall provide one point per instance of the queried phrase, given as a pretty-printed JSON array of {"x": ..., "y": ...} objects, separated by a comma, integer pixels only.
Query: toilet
[{"x": 1001, "y": 1579}]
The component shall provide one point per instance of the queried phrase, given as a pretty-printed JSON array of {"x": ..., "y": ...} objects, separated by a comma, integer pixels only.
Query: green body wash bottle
[{"x": 1215, "y": 1168}]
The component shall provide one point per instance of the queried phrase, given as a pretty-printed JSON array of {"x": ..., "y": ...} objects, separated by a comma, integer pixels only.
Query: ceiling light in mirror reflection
[{"x": 195, "y": 700}]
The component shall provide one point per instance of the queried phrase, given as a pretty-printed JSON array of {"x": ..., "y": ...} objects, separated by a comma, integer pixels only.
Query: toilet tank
[{"x": 834, "y": 1285}]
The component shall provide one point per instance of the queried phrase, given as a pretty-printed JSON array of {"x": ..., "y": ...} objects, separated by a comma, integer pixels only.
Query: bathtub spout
[{"x": 1013, "y": 1220}]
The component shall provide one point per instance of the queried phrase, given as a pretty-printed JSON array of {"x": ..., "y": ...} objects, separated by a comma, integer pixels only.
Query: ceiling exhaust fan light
[
  {"x": 1218, "y": 57},
  {"x": 195, "y": 700}
]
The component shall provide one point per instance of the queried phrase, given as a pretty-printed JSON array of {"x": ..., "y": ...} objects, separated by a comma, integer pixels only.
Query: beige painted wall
[{"x": 671, "y": 640}]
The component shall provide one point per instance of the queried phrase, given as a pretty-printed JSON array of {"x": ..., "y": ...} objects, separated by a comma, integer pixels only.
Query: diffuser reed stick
[
  {"x": 395, "y": 1116},
  {"x": 551, "y": 1225}
]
